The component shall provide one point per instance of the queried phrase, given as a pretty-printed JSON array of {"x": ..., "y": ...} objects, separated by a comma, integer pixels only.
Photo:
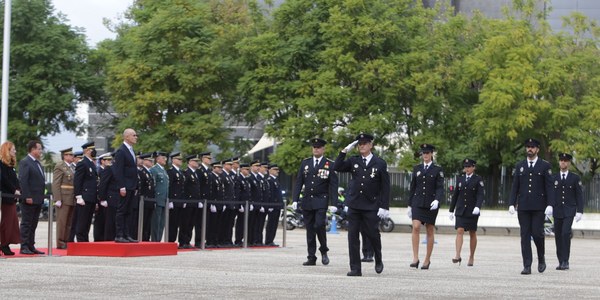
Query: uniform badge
[
  {"x": 521, "y": 169},
  {"x": 442, "y": 174},
  {"x": 306, "y": 167},
  {"x": 356, "y": 166},
  {"x": 549, "y": 172},
  {"x": 555, "y": 182},
  {"x": 418, "y": 173},
  {"x": 460, "y": 184},
  {"x": 481, "y": 183},
  {"x": 326, "y": 166},
  {"x": 91, "y": 170},
  {"x": 580, "y": 183}
]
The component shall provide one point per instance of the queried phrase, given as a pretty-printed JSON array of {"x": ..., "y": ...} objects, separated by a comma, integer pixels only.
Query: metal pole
[
  {"x": 50, "y": 224},
  {"x": 167, "y": 221},
  {"x": 284, "y": 224},
  {"x": 5, "y": 71},
  {"x": 203, "y": 230},
  {"x": 140, "y": 218},
  {"x": 246, "y": 212}
]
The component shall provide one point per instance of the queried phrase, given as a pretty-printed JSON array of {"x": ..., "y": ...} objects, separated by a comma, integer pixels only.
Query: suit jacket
[
  {"x": 176, "y": 185},
  {"x": 242, "y": 189},
  {"x": 86, "y": 180},
  {"x": 228, "y": 188},
  {"x": 161, "y": 184},
  {"x": 369, "y": 186},
  {"x": 255, "y": 188},
  {"x": 216, "y": 187},
  {"x": 10, "y": 182},
  {"x": 568, "y": 196},
  {"x": 192, "y": 184},
  {"x": 275, "y": 189},
  {"x": 426, "y": 185},
  {"x": 320, "y": 184},
  {"x": 62, "y": 184},
  {"x": 532, "y": 189},
  {"x": 124, "y": 169},
  {"x": 106, "y": 191},
  {"x": 467, "y": 195},
  {"x": 32, "y": 180}
]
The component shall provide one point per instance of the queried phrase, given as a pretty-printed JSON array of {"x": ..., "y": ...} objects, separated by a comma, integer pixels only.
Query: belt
[{"x": 66, "y": 186}]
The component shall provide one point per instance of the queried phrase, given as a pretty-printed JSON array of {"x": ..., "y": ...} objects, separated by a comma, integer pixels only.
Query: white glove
[
  {"x": 80, "y": 200},
  {"x": 251, "y": 207},
  {"x": 270, "y": 209},
  {"x": 409, "y": 212},
  {"x": 104, "y": 203},
  {"x": 345, "y": 209},
  {"x": 511, "y": 209},
  {"x": 262, "y": 209},
  {"x": 578, "y": 217},
  {"x": 451, "y": 216},
  {"x": 241, "y": 209},
  {"x": 333, "y": 209},
  {"x": 476, "y": 210},
  {"x": 350, "y": 146},
  {"x": 200, "y": 205},
  {"x": 434, "y": 205},
  {"x": 184, "y": 205},
  {"x": 170, "y": 205},
  {"x": 548, "y": 211},
  {"x": 295, "y": 205},
  {"x": 224, "y": 208},
  {"x": 58, "y": 203},
  {"x": 383, "y": 213},
  {"x": 213, "y": 208}
]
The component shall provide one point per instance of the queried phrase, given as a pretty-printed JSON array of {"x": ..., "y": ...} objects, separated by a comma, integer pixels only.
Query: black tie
[
  {"x": 426, "y": 167},
  {"x": 564, "y": 176},
  {"x": 364, "y": 161},
  {"x": 316, "y": 162},
  {"x": 468, "y": 177},
  {"x": 531, "y": 164}
]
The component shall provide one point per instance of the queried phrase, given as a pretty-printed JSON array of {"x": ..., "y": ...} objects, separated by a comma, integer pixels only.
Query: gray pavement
[{"x": 278, "y": 273}]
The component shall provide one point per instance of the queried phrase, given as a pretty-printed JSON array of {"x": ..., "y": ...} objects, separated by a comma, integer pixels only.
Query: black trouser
[
  {"x": 226, "y": 227},
  {"x": 84, "y": 221},
  {"x": 239, "y": 226},
  {"x": 99, "y": 223},
  {"x": 315, "y": 221},
  {"x": 562, "y": 237},
  {"x": 174, "y": 215},
  {"x": 197, "y": 224},
  {"x": 212, "y": 225},
  {"x": 367, "y": 221},
  {"x": 272, "y": 222},
  {"x": 146, "y": 227},
  {"x": 259, "y": 226},
  {"x": 367, "y": 248},
  {"x": 110, "y": 227},
  {"x": 30, "y": 215},
  {"x": 186, "y": 223},
  {"x": 73, "y": 224},
  {"x": 123, "y": 218},
  {"x": 132, "y": 221},
  {"x": 532, "y": 225}
]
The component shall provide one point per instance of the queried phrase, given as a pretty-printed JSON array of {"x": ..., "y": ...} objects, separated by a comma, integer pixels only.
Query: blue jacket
[{"x": 369, "y": 186}]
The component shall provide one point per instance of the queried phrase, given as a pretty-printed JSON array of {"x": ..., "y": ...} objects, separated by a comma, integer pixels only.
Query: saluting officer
[
  {"x": 86, "y": 191},
  {"x": 367, "y": 199},
  {"x": 64, "y": 199},
  {"x": 426, "y": 191},
  {"x": 316, "y": 174},
  {"x": 569, "y": 205},
  {"x": 176, "y": 191},
  {"x": 467, "y": 200},
  {"x": 532, "y": 195},
  {"x": 147, "y": 190}
]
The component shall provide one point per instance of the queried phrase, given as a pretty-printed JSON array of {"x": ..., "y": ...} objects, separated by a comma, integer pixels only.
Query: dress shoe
[
  {"x": 36, "y": 251},
  {"x": 367, "y": 259},
  {"x": 121, "y": 240},
  {"x": 62, "y": 247},
  {"x": 26, "y": 251},
  {"x": 272, "y": 245},
  {"x": 560, "y": 266},
  {"x": 415, "y": 265},
  {"x": 188, "y": 246},
  {"x": 6, "y": 250},
  {"x": 457, "y": 260},
  {"x": 425, "y": 267},
  {"x": 310, "y": 262},
  {"x": 541, "y": 267},
  {"x": 526, "y": 271},
  {"x": 379, "y": 267},
  {"x": 354, "y": 273},
  {"x": 131, "y": 240},
  {"x": 325, "y": 259},
  {"x": 565, "y": 265}
]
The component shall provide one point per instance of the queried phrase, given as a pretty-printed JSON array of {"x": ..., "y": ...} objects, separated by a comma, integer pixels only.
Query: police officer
[
  {"x": 147, "y": 191},
  {"x": 86, "y": 191},
  {"x": 203, "y": 173},
  {"x": 569, "y": 205},
  {"x": 242, "y": 194},
  {"x": 62, "y": 191},
  {"x": 192, "y": 192},
  {"x": 215, "y": 195},
  {"x": 255, "y": 197},
  {"x": 265, "y": 198},
  {"x": 316, "y": 174},
  {"x": 109, "y": 197},
  {"x": 426, "y": 191},
  {"x": 367, "y": 199},
  {"x": 532, "y": 195},
  {"x": 101, "y": 219},
  {"x": 161, "y": 191},
  {"x": 176, "y": 191},
  {"x": 467, "y": 200},
  {"x": 226, "y": 230},
  {"x": 273, "y": 211}
]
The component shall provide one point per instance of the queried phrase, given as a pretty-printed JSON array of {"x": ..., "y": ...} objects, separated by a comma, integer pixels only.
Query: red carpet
[{"x": 121, "y": 249}]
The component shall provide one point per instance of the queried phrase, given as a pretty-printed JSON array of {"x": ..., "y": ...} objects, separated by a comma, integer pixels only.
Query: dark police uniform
[
  {"x": 86, "y": 185},
  {"x": 261, "y": 213},
  {"x": 273, "y": 216},
  {"x": 255, "y": 197},
  {"x": 109, "y": 193},
  {"x": 215, "y": 194},
  {"x": 467, "y": 195},
  {"x": 176, "y": 191},
  {"x": 320, "y": 184},
  {"x": 203, "y": 177},
  {"x": 226, "y": 229},
  {"x": 426, "y": 185},
  {"x": 531, "y": 192},
  {"x": 186, "y": 216},
  {"x": 243, "y": 194},
  {"x": 147, "y": 190},
  {"x": 568, "y": 201},
  {"x": 368, "y": 191}
]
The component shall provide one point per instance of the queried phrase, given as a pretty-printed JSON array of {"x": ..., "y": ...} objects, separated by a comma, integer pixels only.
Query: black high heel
[
  {"x": 6, "y": 250},
  {"x": 415, "y": 265},
  {"x": 454, "y": 260},
  {"x": 425, "y": 267}
]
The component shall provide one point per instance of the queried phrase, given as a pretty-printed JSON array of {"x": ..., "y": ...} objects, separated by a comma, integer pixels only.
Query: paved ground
[{"x": 278, "y": 273}]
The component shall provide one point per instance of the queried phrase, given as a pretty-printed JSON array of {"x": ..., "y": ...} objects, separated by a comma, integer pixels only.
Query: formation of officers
[{"x": 86, "y": 192}]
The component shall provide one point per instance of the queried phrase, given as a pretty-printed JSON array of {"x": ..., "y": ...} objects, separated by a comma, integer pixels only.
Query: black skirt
[
  {"x": 424, "y": 215},
  {"x": 468, "y": 223}
]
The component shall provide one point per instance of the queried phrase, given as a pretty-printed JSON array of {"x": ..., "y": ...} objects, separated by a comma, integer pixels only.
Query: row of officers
[{"x": 84, "y": 193}]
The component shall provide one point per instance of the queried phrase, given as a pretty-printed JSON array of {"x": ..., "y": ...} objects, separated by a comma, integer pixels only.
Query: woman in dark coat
[{"x": 9, "y": 226}]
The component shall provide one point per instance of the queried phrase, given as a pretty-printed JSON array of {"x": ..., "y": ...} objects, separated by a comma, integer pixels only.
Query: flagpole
[{"x": 5, "y": 71}]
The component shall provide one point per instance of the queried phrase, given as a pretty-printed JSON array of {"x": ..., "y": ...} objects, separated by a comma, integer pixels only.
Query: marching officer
[
  {"x": 64, "y": 199},
  {"x": 367, "y": 199},
  {"x": 161, "y": 191},
  {"x": 569, "y": 205},
  {"x": 176, "y": 191},
  {"x": 532, "y": 196},
  {"x": 316, "y": 174},
  {"x": 86, "y": 191},
  {"x": 467, "y": 200}
]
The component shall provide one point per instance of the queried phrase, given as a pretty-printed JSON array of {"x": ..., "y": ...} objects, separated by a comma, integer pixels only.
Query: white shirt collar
[
  {"x": 368, "y": 158},
  {"x": 534, "y": 161},
  {"x": 566, "y": 173}
]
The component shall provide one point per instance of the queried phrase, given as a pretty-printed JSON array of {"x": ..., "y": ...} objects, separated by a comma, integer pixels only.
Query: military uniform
[
  {"x": 110, "y": 193},
  {"x": 215, "y": 195},
  {"x": 203, "y": 178},
  {"x": 426, "y": 185},
  {"x": 192, "y": 192},
  {"x": 226, "y": 229},
  {"x": 85, "y": 185},
  {"x": 273, "y": 215},
  {"x": 568, "y": 201},
  {"x": 147, "y": 190},
  {"x": 62, "y": 190},
  {"x": 261, "y": 213},
  {"x": 242, "y": 194},
  {"x": 176, "y": 191},
  {"x": 161, "y": 191},
  {"x": 468, "y": 194},
  {"x": 255, "y": 197},
  {"x": 532, "y": 191}
]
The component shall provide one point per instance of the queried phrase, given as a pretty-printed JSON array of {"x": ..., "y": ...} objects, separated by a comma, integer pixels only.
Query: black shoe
[
  {"x": 6, "y": 250},
  {"x": 36, "y": 251},
  {"x": 131, "y": 240},
  {"x": 425, "y": 267},
  {"x": 526, "y": 271},
  {"x": 379, "y": 267},
  {"x": 62, "y": 247},
  {"x": 457, "y": 260},
  {"x": 272, "y": 245},
  {"x": 415, "y": 265},
  {"x": 310, "y": 262},
  {"x": 121, "y": 240},
  {"x": 354, "y": 273},
  {"x": 560, "y": 266},
  {"x": 565, "y": 265},
  {"x": 367, "y": 259},
  {"x": 26, "y": 251},
  {"x": 325, "y": 259},
  {"x": 542, "y": 266}
]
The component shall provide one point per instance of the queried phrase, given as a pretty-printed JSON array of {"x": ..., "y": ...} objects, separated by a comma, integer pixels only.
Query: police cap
[
  {"x": 318, "y": 142},
  {"x": 88, "y": 145},
  {"x": 467, "y": 162},
  {"x": 532, "y": 143},
  {"x": 364, "y": 137},
  {"x": 425, "y": 148},
  {"x": 565, "y": 156}
]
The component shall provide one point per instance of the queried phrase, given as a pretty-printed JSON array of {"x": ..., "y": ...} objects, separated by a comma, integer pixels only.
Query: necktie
[
  {"x": 316, "y": 162},
  {"x": 564, "y": 176},
  {"x": 364, "y": 161},
  {"x": 40, "y": 167},
  {"x": 132, "y": 154},
  {"x": 468, "y": 177},
  {"x": 531, "y": 164},
  {"x": 426, "y": 167}
]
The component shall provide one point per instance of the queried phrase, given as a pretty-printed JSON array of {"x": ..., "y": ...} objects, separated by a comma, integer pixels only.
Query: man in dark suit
[
  {"x": 367, "y": 199},
  {"x": 32, "y": 180},
  {"x": 86, "y": 192},
  {"x": 125, "y": 178},
  {"x": 569, "y": 205},
  {"x": 532, "y": 194},
  {"x": 273, "y": 211},
  {"x": 320, "y": 184}
]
